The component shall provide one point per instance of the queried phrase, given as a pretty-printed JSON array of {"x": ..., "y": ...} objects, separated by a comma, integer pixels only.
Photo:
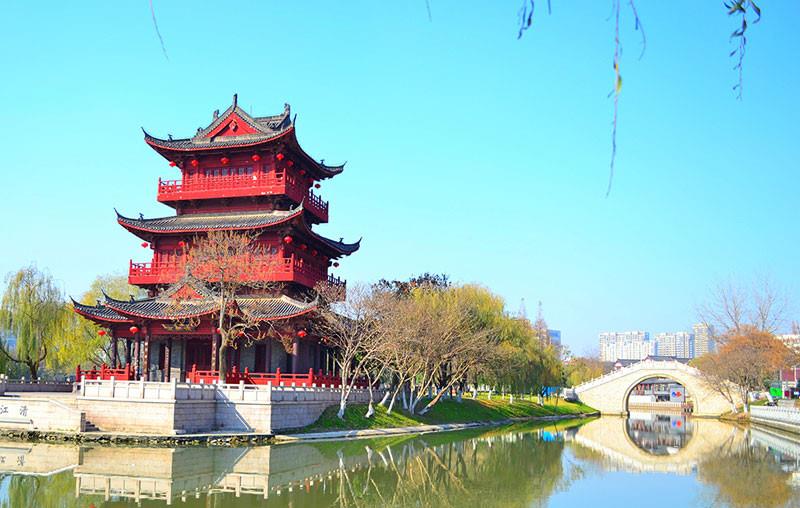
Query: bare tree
[
  {"x": 732, "y": 307},
  {"x": 352, "y": 328},
  {"x": 225, "y": 261}
]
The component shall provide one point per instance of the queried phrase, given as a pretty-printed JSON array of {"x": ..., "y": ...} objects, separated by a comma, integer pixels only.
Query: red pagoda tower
[{"x": 241, "y": 173}]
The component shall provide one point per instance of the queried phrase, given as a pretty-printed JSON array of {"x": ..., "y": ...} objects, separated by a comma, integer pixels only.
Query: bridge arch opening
[
  {"x": 657, "y": 406},
  {"x": 659, "y": 393}
]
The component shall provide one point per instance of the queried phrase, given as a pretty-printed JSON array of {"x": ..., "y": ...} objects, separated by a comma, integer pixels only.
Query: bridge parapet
[{"x": 643, "y": 365}]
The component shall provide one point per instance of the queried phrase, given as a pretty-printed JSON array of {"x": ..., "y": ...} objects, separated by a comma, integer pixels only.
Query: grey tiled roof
[
  {"x": 197, "y": 222},
  {"x": 262, "y": 308},
  {"x": 200, "y": 222},
  {"x": 99, "y": 312},
  {"x": 163, "y": 308},
  {"x": 274, "y": 308},
  {"x": 268, "y": 129}
]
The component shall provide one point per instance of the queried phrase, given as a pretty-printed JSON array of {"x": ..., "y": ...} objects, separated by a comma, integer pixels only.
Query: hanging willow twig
[
  {"x": 741, "y": 8},
  {"x": 525, "y": 14},
  {"x": 158, "y": 33}
]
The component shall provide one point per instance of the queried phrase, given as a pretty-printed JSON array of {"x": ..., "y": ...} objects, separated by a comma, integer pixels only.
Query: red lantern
[
  {"x": 303, "y": 247},
  {"x": 101, "y": 332},
  {"x": 134, "y": 329},
  {"x": 287, "y": 239},
  {"x": 172, "y": 164},
  {"x": 181, "y": 244},
  {"x": 336, "y": 264},
  {"x": 224, "y": 161},
  {"x": 317, "y": 186},
  {"x": 145, "y": 245},
  {"x": 290, "y": 163},
  {"x": 302, "y": 172},
  {"x": 279, "y": 156},
  {"x": 255, "y": 157},
  {"x": 314, "y": 252},
  {"x": 302, "y": 333},
  {"x": 195, "y": 163},
  {"x": 219, "y": 330}
]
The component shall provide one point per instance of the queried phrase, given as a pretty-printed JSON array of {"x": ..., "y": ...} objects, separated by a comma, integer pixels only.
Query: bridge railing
[{"x": 644, "y": 364}]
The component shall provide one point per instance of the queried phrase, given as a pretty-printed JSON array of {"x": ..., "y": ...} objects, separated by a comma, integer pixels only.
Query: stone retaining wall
[
  {"x": 29, "y": 413},
  {"x": 179, "y": 408}
]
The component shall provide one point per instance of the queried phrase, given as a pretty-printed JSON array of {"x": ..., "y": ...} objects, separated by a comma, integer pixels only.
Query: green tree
[
  {"x": 83, "y": 345},
  {"x": 582, "y": 369},
  {"x": 34, "y": 312}
]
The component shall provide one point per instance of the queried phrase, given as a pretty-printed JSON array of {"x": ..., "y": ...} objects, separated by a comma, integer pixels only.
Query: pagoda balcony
[
  {"x": 243, "y": 185},
  {"x": 291, "y": 269}
]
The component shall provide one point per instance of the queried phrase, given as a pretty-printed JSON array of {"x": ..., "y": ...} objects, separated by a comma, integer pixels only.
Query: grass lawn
[{"x": 446, "y": 411}]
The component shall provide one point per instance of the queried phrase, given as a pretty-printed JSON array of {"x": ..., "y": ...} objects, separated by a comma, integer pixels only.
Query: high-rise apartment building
[
  {"x": 635, "y": 345},
  {"x": 703, "y": 339},
  {"x": 676, "y": 344}
]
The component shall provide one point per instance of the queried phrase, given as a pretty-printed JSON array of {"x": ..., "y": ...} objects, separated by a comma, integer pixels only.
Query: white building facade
[
  {"x": 634, "y": 345},
  {"x": 676, "y": 344}
]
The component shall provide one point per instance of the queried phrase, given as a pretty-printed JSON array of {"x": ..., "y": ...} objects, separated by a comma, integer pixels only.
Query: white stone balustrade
[{"x": 784, "y": 415}]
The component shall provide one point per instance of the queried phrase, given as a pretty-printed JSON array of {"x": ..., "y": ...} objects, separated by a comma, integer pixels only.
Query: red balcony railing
[
  {"x": 242, "y": 185},
  {"x": 277, "y": 378},
  {"x": 278, "y": 269}
]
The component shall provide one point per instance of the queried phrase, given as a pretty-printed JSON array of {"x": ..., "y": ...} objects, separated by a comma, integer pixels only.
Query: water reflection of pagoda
[{"x": 413, "y": 471}]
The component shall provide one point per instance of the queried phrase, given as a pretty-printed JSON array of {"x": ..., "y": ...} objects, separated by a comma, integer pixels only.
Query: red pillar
[
  {"x": 167, "y": 358},
  {"x": 128, "y": 346},
  {"x": 113, "y": 352},
  {"x": 214, "y": 341},
  {"x": 296, "y": 356},
  {"x": 136, "y": 358},
  {"x": 146, "y": 359}
]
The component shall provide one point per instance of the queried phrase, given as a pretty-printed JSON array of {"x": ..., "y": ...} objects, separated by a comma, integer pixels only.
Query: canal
[{"x": 645, "y": 460}]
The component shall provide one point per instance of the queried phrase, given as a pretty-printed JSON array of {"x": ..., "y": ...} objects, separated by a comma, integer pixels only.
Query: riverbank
[
  {"x": 446, "y": 412},
  {"x": 448, "y": 415}
]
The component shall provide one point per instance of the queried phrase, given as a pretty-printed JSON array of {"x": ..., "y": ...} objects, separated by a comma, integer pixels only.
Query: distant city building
[
  {"x": 635, "y": 345},
  {"x": 555, "y": 337},
  {"x": 791, "y": 340},
  {"x": 675, "y": 344},
  {"x": 703, "y": 339}
]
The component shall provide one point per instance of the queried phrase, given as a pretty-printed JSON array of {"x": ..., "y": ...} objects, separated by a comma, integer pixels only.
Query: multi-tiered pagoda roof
[{"x": 239, "y": 173}]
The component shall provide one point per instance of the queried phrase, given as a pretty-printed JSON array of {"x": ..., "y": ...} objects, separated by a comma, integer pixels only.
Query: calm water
[{"x": 646, "y": 460}]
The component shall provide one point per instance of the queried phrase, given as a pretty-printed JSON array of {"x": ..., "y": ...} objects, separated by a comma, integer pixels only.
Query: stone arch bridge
[{"x": 609, "y": 393}]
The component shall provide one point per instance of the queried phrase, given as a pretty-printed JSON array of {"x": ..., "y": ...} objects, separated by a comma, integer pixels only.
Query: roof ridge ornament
[{"x": 235, "y": 99}]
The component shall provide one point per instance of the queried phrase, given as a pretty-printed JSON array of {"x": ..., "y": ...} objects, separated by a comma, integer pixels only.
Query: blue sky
[{"x": 469, "y": 152}]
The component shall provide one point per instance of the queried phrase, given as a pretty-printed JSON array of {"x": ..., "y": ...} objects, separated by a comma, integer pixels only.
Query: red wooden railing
[
  {"x": 291, "y": 269},
  {"x": 253, "y": 184},
  {"x": 277, "y": 378},
  {"x": 105, "y": 373}
]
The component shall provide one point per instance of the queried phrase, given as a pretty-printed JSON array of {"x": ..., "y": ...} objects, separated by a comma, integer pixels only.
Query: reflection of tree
[
  {"x": 56, "y": 491},
  {"x": 507, "y": 469},
  {"x": 746, "y": 477}
]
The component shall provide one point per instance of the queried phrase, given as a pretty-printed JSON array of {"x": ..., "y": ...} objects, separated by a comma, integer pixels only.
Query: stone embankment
[{"x": 251, "y": 439}]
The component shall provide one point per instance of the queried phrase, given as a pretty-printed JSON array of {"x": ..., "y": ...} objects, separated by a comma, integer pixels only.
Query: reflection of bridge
[
  {"x": 609, "y": 437},
  {"x": 609, "y": 394}
]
